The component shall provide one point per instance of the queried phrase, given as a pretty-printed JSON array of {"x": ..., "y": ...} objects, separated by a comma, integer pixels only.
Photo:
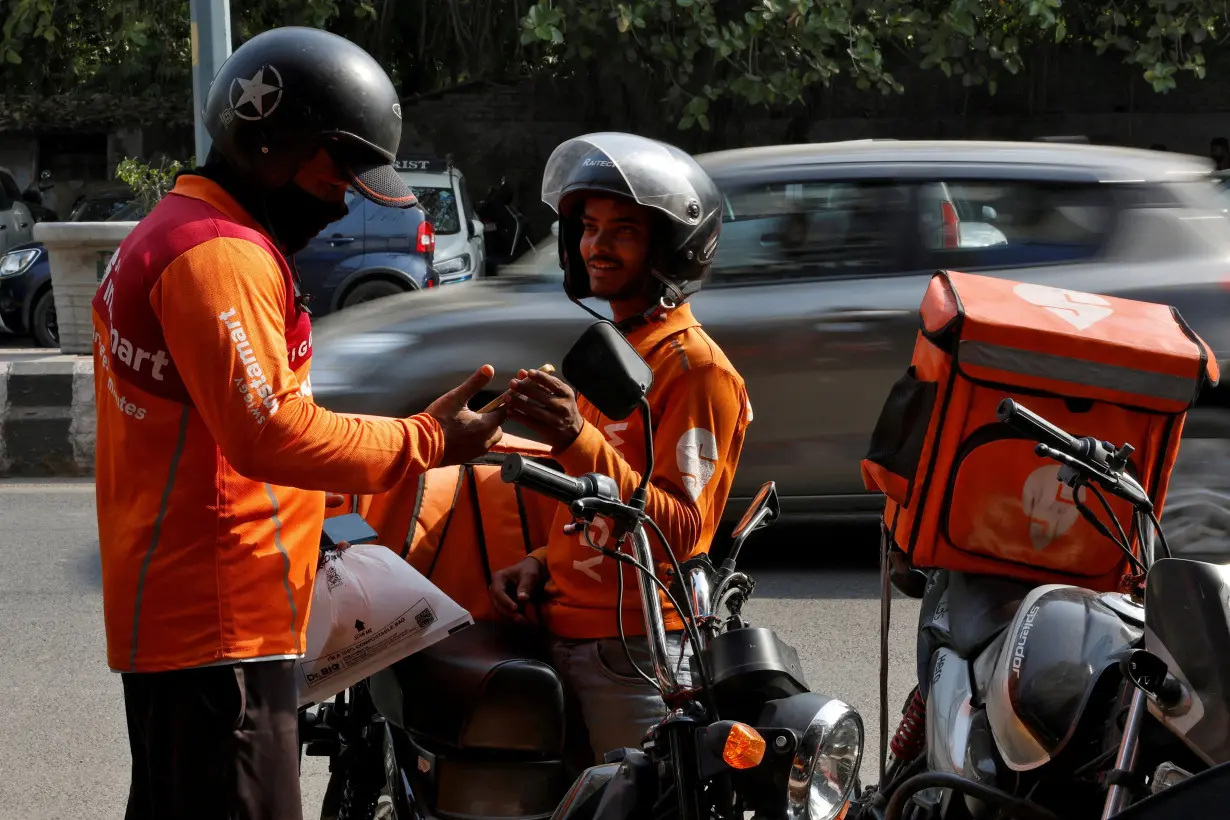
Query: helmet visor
[
  {"x": 371, "y": 175},
  {"x": 656, "y": 175}
]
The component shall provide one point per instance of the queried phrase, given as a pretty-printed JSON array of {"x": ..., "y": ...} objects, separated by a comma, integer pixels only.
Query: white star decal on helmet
[{"x": 256, "y": 93}]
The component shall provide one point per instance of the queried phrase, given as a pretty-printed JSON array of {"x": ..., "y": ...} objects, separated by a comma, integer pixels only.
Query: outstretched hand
[
  {"x": 546, "y": 405},
  {"x": 467, "y": 434}
]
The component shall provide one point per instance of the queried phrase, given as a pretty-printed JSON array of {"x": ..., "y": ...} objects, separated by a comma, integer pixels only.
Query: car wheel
[
  {"x": 372, "y": 289},
  {"x": 1196, "y": 517},
  {"x": 43, "y": 326}
]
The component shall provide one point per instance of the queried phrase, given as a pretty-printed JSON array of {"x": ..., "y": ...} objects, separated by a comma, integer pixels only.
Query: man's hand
[
  {"x": 467, "y": 434},
  {"x": 546, "y": 405},
  {"x": 512, "y": 587}
]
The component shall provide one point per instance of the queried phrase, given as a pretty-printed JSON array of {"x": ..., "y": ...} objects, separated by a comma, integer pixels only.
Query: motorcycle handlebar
[
  {"x": 517, "y": 469},
  {"x": 1033, "y": 426}
]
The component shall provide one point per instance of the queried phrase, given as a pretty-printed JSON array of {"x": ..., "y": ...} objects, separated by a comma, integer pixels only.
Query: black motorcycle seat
[
  {"x": 979, "y": 608},
  {"x": 487, "y": 686}
]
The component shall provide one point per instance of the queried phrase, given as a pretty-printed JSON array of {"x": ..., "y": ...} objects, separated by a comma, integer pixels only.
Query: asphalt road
[{"x": 64, "y": 749}]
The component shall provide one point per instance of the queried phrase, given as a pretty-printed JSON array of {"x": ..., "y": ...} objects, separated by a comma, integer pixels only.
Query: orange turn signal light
[{"x": 744, "y": 747}]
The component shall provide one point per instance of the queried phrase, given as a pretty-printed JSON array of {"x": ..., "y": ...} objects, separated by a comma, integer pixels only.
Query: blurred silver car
[{"x": 826, "y": 252}]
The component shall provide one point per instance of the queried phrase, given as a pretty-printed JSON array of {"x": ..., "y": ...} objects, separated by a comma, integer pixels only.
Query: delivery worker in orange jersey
[
  {"x": 639, "y": 225},
  {"x": 212, "y": 459}
]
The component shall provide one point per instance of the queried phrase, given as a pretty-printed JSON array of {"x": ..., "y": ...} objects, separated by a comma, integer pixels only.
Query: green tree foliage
[
  {"x": 697, "y": 55},
  {"x": 149, "y": 182},
  {"x": 774, "y": 51}
]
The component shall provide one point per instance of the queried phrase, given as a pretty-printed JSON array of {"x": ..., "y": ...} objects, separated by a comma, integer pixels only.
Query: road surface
[{"x": 65, "y": 747}]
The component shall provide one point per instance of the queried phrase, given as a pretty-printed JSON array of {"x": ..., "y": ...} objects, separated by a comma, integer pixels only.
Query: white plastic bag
[{"x": 370, "y": 609}]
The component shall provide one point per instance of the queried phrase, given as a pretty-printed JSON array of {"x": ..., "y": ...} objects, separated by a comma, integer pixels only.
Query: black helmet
[
  {"x": 289, "y": 92},
  {"x": 654, "y": 174}
]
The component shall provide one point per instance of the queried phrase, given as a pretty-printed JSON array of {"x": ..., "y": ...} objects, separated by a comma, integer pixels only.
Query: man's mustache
[{"x": 607, "y": 259}]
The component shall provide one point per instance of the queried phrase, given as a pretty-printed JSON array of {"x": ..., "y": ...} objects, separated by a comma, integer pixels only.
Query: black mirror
[
  {"x": 763, "y": 510},
  {"x": 606, "y": 369}
]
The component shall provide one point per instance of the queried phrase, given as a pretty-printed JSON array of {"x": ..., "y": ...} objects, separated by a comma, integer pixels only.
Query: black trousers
[{"x": 218, "y": 743}]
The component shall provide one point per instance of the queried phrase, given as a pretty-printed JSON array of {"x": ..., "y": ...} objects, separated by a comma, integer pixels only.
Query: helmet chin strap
[{"x": 671, "y": 297}]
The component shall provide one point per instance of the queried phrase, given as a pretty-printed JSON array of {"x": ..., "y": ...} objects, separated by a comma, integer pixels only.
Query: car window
[
  {"x": 130, "y": 212},
  {"x": 440, "y": 204},
  {"x": 971, "y": 224},
  {"x": 9, "y": 192},
  {"x": 792, "y": 230}
]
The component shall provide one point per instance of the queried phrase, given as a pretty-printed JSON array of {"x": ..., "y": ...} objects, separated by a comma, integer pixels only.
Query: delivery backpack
[
  {"x": 458, "y": 525},
  {"x": 966, "y": 492}
]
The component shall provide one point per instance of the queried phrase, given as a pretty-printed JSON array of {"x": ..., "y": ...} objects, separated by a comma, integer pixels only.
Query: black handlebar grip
[
  {"x": 517, "y": 469},
  {"x": 1030, "y": 424}
]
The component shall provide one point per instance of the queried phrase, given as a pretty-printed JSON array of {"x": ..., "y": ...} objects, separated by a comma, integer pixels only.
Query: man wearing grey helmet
[{"x": 639, "y": 226}]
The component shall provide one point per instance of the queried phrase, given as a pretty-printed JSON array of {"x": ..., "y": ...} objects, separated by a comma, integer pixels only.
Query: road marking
[{"x": 42, "y": 486}]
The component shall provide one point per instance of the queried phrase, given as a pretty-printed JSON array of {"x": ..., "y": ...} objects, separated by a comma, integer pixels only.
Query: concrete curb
[{"x": 47, "y": 418}]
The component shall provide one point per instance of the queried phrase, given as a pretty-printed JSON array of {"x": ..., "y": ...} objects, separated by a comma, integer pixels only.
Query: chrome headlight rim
[{"x": 811, "y": 751}]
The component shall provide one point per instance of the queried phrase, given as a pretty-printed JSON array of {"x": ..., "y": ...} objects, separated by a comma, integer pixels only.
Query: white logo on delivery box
[
  {"x": 1049, "y": 506},
  {"x": 1081, "y": 310}
]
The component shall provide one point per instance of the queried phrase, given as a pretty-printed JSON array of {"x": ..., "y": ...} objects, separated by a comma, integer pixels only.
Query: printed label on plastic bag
[{"x": 360, "y": 624}]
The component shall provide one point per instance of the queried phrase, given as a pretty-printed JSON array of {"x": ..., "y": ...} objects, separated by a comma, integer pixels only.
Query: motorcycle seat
[
  {"x": 979, "y": 608},
  {"x": 485, "y": 687},
  {"x": 964, "y": 613}
]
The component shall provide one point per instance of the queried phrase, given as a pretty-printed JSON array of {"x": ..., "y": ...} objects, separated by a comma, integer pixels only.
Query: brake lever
[{"x": 1122, "y": 486}]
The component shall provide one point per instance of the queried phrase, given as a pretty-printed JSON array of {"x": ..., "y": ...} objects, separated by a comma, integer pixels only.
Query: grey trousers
[{"x": 617, "y": 706}]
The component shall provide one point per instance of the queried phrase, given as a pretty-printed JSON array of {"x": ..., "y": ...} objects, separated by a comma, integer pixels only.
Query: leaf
[
  {"x": 1061, "y": 31},
  {"x": 12, "y": 57}
]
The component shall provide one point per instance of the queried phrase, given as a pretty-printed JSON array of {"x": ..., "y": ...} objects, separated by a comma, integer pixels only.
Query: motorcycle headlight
[{"x": 825, "y": 767}]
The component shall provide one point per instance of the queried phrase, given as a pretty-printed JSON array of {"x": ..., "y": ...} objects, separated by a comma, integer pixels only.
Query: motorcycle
[
  {"x": 1055, "y": 701},
  {"x": 506, "y": 233},
  {"x": 474, "y": 726}
]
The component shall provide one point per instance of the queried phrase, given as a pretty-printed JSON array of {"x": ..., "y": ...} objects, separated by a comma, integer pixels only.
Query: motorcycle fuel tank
[{"x": 1060, "y": 643}]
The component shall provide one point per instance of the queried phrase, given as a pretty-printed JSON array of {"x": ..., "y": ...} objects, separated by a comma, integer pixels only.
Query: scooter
[{"x": 475, "y": 726}]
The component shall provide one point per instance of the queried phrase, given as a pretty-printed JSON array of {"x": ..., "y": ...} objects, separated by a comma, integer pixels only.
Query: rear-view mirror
[
  {"x": 763, "y": 510},
  {"x": 606, "y": 369}
]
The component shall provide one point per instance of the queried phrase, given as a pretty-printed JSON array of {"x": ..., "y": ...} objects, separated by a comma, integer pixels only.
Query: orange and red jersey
[
  {"x": 700, "y": 412},
  {"x": 211, "y": 458}
]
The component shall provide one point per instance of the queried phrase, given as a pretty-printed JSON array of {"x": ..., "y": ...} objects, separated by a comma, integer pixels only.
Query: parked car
[
  {"x": 16, "y": 220},
  {"x": 100, "y": 207},
  {"x": 370, "y": 253},
  {"x": 27, "y": 306},
  {"x": 441, "y": 190}
]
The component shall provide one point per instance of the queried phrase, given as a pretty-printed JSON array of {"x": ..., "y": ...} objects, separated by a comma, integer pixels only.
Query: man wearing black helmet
[
  {"x": 639, "y": 226},
  {"x": 212, "y": 460}
]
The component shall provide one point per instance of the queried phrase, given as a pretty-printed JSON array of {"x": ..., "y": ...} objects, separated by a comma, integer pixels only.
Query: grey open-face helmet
[{"x": 658, "y": 176}]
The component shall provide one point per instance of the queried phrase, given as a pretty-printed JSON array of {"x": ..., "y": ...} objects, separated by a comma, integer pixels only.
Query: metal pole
[{"x": 211, "y": 45}]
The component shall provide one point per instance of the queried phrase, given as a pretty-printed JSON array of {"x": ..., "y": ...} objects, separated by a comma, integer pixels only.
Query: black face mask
[{"x": 294, "y": 216}]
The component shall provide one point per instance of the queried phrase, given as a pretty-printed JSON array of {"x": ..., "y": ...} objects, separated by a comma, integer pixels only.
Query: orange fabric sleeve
[
  {"x": 222, "y": 309},
  {"x": 691, "y": 446}
]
